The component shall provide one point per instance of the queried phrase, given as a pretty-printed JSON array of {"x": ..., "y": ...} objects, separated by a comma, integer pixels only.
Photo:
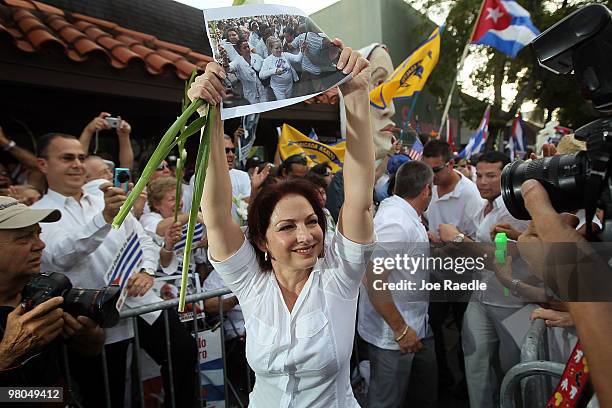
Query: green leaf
[
  {"x": 180, "y": 167},
  {"x": 188, "y": 83},
  {"x": 167, "y": 142},
  {"x": 193, "y": 127},
  {"x": 200, "y": 177}
]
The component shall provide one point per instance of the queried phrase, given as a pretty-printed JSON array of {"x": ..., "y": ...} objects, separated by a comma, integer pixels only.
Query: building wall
[
  {"x": 402, "y": 28},
  {"x": 356, "y": 22}
]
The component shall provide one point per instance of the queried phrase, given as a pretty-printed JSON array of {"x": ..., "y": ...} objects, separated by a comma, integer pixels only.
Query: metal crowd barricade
[
  {"x": 133, "y": 313},
  {"x": 534, "y": 373}
]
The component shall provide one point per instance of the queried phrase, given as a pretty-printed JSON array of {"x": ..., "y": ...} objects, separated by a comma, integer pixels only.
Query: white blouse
[{"x": 302, "y": 358}]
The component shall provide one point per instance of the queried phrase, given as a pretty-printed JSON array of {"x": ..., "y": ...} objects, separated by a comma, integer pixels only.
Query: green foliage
[
  {"x": 178, "y": 134},
  {"x": 548, "y": 91}
]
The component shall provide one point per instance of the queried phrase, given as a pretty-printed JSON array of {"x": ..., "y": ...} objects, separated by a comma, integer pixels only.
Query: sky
[{"x": 437, "y": 15}]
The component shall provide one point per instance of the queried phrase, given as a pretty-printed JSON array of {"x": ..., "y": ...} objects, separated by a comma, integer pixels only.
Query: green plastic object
[{"x": 501, "y": 246}]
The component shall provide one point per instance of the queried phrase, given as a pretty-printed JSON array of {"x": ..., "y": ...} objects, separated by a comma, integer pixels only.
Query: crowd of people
[
  {"x": 295, "y": 261},
  {"x": 270, "y": 58}
]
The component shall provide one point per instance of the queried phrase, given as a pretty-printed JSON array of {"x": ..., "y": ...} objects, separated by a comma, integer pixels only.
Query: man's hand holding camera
[
  {"x": 29, "y": 331},
  {"x": 114, "y": 198},
  {"x": 84, "y": 333}
]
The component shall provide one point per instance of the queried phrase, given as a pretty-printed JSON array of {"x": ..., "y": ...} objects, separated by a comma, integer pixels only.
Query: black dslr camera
[
  {"x": 97, "y": 304},
  {"x": 582, "y": 43}
]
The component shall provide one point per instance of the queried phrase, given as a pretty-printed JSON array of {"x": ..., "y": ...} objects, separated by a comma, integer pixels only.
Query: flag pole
[{"x": 459, "y": 68}]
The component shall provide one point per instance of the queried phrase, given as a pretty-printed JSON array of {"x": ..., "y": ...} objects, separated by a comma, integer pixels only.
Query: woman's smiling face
[{"x": 294, "y": 236}]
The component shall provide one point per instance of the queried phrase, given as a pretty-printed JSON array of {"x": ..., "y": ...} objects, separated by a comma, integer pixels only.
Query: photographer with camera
[
  {"x": 542, "y": 189},
  {"x": 104, "y": 121},
  {"x": 83, "y": 247},
  {"x": 30, "y": 346}
]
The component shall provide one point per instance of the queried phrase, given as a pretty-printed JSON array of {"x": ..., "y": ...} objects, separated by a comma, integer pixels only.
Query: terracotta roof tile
[
  {"x": 136, "y": 34},
  {"x": 46, "y": 8},
  {"x": 24, "y": 4},
  {"x": 172, "y": 47},
  {"x": 201, "y": 57},
  {"x": 34, "y": 25},
  {"x": 99, "y": 22}
]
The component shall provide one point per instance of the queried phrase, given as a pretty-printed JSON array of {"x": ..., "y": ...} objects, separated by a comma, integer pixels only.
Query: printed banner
[
  {"x": 292, "y": 141},
  {"x": 211, "y": 368}
]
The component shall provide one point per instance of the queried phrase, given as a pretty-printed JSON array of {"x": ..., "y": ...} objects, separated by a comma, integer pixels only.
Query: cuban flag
[
  {"x": 416, "y": 151},
  {"x": 516, "y": 144},
  {"x": 127, "y": 261},
  {"x": 478, "y": 140},
  {"x": 505, "y": 26},
  {"x": 198, "y": 233}
]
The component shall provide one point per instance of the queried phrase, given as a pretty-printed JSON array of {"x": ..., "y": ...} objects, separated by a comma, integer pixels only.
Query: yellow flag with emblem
[
  {"x": 411, "y": 75},
  {"x": 292, "y": 141}
]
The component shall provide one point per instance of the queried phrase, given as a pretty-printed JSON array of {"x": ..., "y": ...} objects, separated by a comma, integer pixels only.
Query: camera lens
[
  {"x": 563, "y": 177},
  {"x": 123, "y": 176},
  {"x": 98, "y": 305}
]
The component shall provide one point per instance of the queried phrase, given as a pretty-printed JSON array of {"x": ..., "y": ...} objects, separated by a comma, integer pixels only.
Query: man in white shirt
[
  {"x": 452, "y": 193},
  {"x": 483, "y": 334},
  {"x": 83, "y": 247},
  {"x": 394, "y": 324}
]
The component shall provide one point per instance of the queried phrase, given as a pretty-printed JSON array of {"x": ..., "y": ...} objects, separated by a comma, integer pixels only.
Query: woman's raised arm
[
  {"x": 356, "y": 216},
  {"x": 224, "y": 234}
]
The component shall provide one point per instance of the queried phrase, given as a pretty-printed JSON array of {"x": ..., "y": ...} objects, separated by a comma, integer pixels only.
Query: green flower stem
[
  {"x": 163, "y": 148},
  {"x": 200, "y": 177},
  {"x": 180, "y": 167}
]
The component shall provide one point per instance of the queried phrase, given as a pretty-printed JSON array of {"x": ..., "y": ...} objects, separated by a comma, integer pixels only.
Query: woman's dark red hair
[{"x": 260, "y": 211}]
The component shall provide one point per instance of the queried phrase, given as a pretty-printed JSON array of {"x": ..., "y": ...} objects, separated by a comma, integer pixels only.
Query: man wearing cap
[
  {"x": 83, "y": 247},
  {"x": 30, "y": 346}
]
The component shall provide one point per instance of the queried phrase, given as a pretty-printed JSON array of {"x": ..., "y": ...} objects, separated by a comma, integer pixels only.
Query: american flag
[{"x": 416, "y": 151}]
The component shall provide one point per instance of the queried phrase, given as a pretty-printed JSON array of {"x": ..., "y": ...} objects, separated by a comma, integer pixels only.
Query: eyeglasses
[
  {"x": 230, "y": 149},
  {"x": 439, "y": 168},
  {"x": 69, "y": 158},
  {"x": 161, "y": 167}
]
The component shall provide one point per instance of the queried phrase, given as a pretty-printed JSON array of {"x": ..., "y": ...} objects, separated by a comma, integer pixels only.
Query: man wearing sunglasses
[{"x": 452, "y": 192}]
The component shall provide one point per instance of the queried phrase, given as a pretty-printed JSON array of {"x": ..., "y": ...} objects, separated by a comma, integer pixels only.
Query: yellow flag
[
  {"x": 292, "y": 141},
  {"x": 411, "y": 75}
]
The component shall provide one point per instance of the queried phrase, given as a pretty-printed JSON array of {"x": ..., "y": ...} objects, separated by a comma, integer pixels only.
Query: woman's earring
[{"x": 266, "y": 256}]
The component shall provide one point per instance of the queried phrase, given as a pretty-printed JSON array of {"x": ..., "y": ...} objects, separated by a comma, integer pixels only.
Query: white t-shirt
[
  {"x": 302, "y": 358},
  {"x": 450, "y": 208},
  {"x": 396, "y": 222},
  {"x": 495, "y": 295}
]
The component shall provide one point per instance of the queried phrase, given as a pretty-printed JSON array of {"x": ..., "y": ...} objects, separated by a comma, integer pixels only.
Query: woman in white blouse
[
  {"x": 298, "y": 293},
  {"x": 247, "y": 67},
  {"x": 277, "y": 67}
]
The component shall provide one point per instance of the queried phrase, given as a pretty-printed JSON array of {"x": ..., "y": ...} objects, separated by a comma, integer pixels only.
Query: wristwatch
[
  {"x": 148, "y": 271},
  {"x": 515, "y": 287},
  {"x": 459, "y": 238},
  {"x": 7, "y": 147}
]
